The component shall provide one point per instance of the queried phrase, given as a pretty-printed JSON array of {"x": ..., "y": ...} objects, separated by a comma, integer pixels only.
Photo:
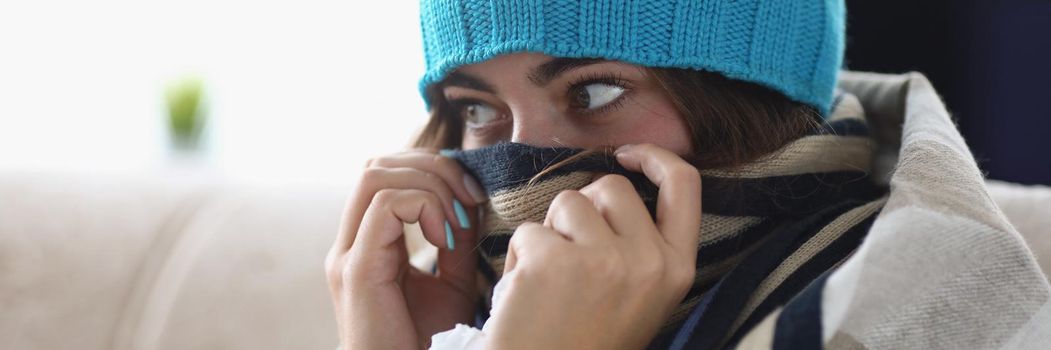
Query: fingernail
[
  {"x": 474, "y": 189},
  {"x": 449, "y": 241},
  {"x": 461, "y": 214}
]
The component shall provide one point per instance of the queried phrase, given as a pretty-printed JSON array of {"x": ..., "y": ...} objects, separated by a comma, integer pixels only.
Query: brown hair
[{"x": 731, "y": 122}]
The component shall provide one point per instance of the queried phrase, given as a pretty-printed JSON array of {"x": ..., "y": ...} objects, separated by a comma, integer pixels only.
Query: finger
[
  {"x": 377, "y": 179},
  {"x": 449, "y": 170},
  {"x": 458, "y": 266},
  {"x": 573, "y": 215},
  {"x": 376, "y": 249},
  {"x": 616, "y": 200},
  {"x": 679, "y": 195},
  {"x": 531, "y": 241}
]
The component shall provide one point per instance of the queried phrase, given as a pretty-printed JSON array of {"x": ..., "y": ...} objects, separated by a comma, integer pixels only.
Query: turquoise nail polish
[
  {"x": 449, "y": 236},
  {"x": 461, "y": 214}
]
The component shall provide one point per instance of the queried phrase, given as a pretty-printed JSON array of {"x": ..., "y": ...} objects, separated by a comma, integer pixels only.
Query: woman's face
[{"x": 545, "y": 101}]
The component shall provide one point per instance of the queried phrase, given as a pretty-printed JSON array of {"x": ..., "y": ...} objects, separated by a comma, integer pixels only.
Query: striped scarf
[{"x": 769, "y": 228}]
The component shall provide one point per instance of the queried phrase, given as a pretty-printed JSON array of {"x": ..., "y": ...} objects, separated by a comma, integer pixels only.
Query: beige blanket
[{"x": 941, "y": 268}]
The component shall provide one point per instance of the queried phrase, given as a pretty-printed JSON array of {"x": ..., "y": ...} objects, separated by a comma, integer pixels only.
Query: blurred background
[
  {"x": 306, "y": 91},
  {"x": 990, "y": 60},
  {"x": 298, "y": 91}
]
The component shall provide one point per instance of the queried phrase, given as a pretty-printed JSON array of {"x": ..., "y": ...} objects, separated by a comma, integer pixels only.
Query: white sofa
[{"x": 104, "y": 262}]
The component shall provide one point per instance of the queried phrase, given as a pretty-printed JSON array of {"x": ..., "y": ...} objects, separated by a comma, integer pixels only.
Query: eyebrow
[
  {"x": 541, "y": 75},
  {"x": 465, "y": 80},
  {"x": 545, "y": 73}
]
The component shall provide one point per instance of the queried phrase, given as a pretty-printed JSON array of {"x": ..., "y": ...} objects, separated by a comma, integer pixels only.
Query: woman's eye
[
  {"x": 596, "y": 95},
  {"x": 478, "y": 114}
]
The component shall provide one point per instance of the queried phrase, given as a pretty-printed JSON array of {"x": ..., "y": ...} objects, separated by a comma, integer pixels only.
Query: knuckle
[
  {"x": 430, "y": 179},
  {"x": 429, "y": 150},
  {"x": 564, "y": 198},
  {"x": 385, "y": 196},
  {"x": 530, "y": 269},
  {"x": 442, "y": 162},
  {"x": 332, "y": 268},
  {"x": 520, "y": 240},
  {"x": 611, "y": 181},
  {"x": 682, "y": 278},
  {"x": 610, "y": 184},
  {"x": 378, "y": 162},
  {"x": 372, "y": 174},
  {"x": 616, "y": 181},
  {"x": 525, "y": 272},
  {"x": 339, "y": 271},
  {"x": 522, "y": 231},
  {"x": 430, "y": 197},
  {"x": 446, "y": 166},
  {"x": 334, "y": 277}
]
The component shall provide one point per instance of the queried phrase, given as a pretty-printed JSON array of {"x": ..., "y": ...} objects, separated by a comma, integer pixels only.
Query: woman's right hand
[{"x": 381, "y": 301}]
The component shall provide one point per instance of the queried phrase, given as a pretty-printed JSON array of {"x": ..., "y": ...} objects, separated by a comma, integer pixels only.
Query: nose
[{"x": 539, "y": 126}]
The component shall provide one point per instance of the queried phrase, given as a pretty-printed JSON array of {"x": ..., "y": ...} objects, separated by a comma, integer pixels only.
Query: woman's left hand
[{"x": 600, "y": 273}]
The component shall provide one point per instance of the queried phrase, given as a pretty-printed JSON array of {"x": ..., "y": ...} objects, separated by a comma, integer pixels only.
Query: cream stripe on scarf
[
  {"x": 498, "y": 264},
  {"x": 715, "y": 228},
  {"x": 807, "y": 251},
  {"x": 530, "y": 202},
  {"x": 709, "y": 274},
  {"x": 853, "y": 153}
]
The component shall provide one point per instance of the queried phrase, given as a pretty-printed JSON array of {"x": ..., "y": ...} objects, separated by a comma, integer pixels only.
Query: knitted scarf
[{"x": 769, "y": 228}]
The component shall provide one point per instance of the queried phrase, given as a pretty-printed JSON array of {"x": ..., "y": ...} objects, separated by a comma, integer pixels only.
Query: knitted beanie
[{"x": 792, "y": 46}]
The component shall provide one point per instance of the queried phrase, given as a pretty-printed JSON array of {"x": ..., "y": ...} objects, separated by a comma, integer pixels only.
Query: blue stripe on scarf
[
  {"x": 799, "y": 325},
  {"x": 838, "y": 250},
  {"x": 739, "y": 284}
]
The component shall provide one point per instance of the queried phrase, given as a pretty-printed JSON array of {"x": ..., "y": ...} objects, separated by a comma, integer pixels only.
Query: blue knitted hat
[{"x": 792, "y": 46}]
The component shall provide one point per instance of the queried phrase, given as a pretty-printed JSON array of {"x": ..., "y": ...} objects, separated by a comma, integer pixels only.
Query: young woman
[{"x": 741, "y": 92}]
